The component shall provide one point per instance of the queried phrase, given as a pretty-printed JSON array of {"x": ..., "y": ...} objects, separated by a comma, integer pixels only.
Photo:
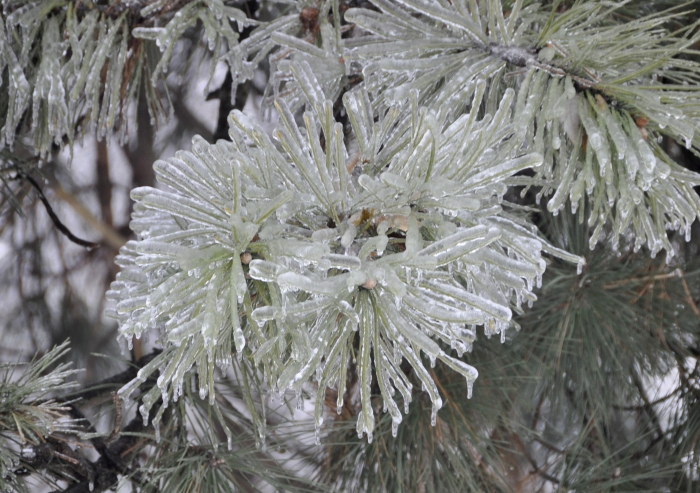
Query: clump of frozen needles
[{"x": 302, "y": 254}]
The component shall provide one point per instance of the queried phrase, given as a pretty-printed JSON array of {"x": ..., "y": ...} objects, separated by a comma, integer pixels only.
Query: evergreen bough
[
  {"x": 291, "y": 251},
  {"x": 379, "y": 225}
]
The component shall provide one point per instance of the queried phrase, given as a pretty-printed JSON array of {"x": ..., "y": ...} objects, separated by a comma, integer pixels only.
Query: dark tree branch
[
  {"x": 101, "y": 474},
  {"x": 104, "y": 183},
  {"x": 106, "y": 386},
  {"x": 110, "y": 454},
  {"x": 54, "y": 218},
  {"x": 110, "y": 464}
]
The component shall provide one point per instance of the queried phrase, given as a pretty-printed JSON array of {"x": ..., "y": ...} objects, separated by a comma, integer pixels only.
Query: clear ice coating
[
  {"x": 400, "y": 239},
  {"x": 288, "y": 251},
  {"x": 411, "y": 96},
  {"x": 606, "y": 140}
]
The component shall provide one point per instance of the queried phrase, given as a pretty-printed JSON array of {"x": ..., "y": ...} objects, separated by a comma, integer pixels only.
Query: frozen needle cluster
[
  {"x": 595, "y": 97},
  {"x": 374, "y": 235},
  {"x": 305, "y": 256},
  {"x": 75, "y": 66}
]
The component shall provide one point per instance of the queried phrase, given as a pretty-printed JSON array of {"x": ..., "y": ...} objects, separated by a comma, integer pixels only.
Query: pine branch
[
  {"x": 620, "y": 120},
  {"x": 379, "y": 229},
  {"x": 111, "y": 237},
  {"x": 54, "y": 218},
  {"x": 101, "y": 473},
  {"x": 84, "y": 63},
  {"x": 106, "y": 386}
]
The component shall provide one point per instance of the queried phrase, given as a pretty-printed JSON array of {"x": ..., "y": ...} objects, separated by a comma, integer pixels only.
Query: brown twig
[
  {"x": 117, "y": 417},
  {"x": 655, "y": 277},
  {"x": 110, "y": 236},
  {"x": 688, "y": 296},
  {"x": 649, "y": 403}
]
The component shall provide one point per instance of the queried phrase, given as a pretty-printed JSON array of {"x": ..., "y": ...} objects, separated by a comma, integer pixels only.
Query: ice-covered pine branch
[
  {"x": 75, "y": 67},
  {"x": 293, "y": 254},
  {"x": 590, "y": 98},
  {"x": 28, "y": 411}
]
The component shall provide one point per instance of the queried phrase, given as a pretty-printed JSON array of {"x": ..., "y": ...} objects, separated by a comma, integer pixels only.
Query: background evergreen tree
[{"x": 388, "y": 185}]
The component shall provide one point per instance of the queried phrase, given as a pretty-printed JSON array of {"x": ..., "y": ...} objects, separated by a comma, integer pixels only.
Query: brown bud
[
  {"x": 309, "y": 19},
  {"x": 369, "y": 283}
]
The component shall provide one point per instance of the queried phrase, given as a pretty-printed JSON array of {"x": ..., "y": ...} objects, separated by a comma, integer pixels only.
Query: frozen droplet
[
  {"x": 394, "y": 428},
  {"x": 470, "y": 387},
  {"x": 348, "y": 237},
  {"x": 144, "y": 414}
]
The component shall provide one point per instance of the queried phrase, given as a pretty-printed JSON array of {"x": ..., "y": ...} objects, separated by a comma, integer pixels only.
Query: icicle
[
  {"x": 349, "y": 236},
  {"x": 300, "y": 402},
  {"x": 144, "y": 414}
]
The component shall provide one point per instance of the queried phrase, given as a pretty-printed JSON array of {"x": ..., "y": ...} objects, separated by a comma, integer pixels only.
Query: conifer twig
[
  {"x": 688, "y": 296},
  {"x": 110, "y": 236},
  {"x": 654, "y": 277},
  {"x": 54, "y": 218}
]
